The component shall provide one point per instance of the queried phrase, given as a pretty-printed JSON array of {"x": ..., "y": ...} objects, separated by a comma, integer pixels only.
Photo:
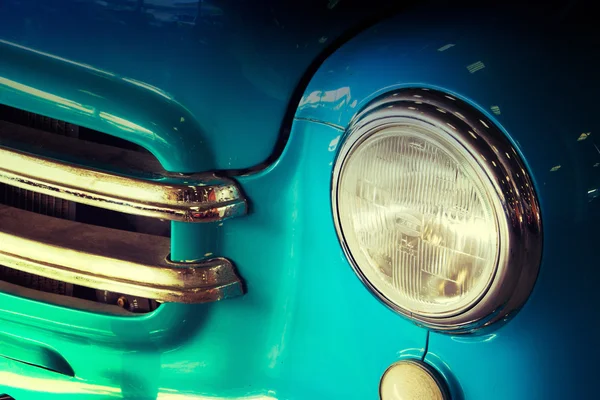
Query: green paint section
[
  {"x": 192, "y": 242},
  {"x": 33, "y": 353},
  {"x": 305, "y": 329}
]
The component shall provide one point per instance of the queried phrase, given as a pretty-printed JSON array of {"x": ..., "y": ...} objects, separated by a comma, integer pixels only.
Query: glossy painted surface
[
  {"x": 305, "y": 328},
  {"x": 184, "y": 78},
  {"x": 535, "y": 76},
  {"x": 225, "y": 85},
  {"x": 29, "y": 351},
  {"x": 91, "y": 97}
]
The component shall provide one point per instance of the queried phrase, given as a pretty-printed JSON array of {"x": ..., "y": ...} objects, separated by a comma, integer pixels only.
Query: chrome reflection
[
  {"x": 108, "y": 259},
  {"x": 192, "y": 198}
]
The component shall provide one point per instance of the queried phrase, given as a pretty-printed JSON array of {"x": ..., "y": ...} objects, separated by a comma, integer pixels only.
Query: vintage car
[{"x": 277, "y": 200}]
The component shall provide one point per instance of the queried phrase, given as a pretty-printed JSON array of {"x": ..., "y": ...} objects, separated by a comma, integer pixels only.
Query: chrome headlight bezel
[{"x": 515, "y": 202}]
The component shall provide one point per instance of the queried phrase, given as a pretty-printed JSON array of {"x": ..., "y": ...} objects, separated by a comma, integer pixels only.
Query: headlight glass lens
[{"x": 417, "y": 214}]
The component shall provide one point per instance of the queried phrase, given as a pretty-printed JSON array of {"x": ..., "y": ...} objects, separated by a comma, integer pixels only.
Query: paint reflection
[
  {"x": 124, "y": 124},
  {"x": 339, "y": 97},
  {"x": 45, "y": 96},
  {"x": 56, "y": 385},
  {"x": 60, "y": 385},
  {"x": 169, "y": 394}
]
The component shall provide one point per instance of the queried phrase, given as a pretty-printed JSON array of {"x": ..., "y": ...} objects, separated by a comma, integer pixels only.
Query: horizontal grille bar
[
  {"x": 188, "y": 198},
  {"x": 107, "y": 259}
]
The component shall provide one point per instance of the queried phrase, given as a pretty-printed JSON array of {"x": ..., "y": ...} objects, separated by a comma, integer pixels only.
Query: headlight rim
[{"x": 494, "y": 153}]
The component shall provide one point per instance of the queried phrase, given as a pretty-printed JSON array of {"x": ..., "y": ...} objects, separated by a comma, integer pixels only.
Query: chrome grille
[
  {"x": 26, "y": 199},
  {"x": 37, "y": 202},
  {"x": 132, "y": 185}
]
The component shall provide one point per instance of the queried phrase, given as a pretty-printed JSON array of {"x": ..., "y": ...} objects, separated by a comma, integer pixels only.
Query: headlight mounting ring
[{"x": 508, "y": 174}]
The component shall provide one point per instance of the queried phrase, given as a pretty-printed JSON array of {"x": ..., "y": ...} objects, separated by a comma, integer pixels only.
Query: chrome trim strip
[
  {"x": 108, "y": 259},
  {"x": 188, "y": 198},
  {"x": 518, "y": 209}
]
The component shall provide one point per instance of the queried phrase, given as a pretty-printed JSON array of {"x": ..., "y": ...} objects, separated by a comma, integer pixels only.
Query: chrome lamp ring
[{"x": 516, "y": 206}]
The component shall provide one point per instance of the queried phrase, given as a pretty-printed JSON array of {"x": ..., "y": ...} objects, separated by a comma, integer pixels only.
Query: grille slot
[
  {"x": 36, "y": 202},
  {"x": 38, "y": 154}
]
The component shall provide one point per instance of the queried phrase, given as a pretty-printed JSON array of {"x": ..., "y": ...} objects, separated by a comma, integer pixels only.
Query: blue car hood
[{"x": 234, "y": 67}]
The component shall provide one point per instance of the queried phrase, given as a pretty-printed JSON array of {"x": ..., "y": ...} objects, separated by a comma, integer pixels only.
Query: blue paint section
[
  {"x": 191, "y": 242},
  {"x": 305, "y": 329},
  {"x": 537, "y": 78},
  {"x": 233, "y": 64},
  {"x": 100, "y": 100}
]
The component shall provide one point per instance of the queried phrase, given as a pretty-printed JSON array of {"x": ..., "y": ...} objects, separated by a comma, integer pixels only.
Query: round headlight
[{"x": 435, "y": 210}]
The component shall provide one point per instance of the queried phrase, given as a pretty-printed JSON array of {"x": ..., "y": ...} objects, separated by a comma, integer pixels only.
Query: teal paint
[{"x": 306, "y": 327}]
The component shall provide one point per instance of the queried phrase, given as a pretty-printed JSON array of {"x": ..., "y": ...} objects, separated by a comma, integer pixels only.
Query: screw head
[{"x": 122, "y": 302}]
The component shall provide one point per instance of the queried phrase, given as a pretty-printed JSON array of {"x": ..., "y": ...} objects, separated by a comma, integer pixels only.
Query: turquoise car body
[{"x": 263, "y": 93}]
